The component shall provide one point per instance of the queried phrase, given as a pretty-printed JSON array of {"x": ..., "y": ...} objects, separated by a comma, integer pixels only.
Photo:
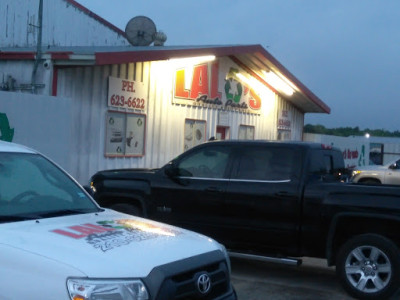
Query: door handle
[{"x": 164, "y": 209}]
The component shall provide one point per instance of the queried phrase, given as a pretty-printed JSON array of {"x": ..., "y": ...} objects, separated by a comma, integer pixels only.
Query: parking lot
[{"x": 312, "y": 280}]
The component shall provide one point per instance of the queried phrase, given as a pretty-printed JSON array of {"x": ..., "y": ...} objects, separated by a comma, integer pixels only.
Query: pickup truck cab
[
  {"x": 272, "y": 199},
  {"x": 386, "y": 174},
  {"x": 57, "y": 243}
]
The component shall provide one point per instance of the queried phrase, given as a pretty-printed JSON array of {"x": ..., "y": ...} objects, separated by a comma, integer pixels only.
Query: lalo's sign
[
  {"x": 126, "y": 94},
  {"x": 214, "y": 84}
]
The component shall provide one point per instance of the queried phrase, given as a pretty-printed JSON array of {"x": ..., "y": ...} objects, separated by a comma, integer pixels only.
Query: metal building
[{"x": 134, "y": 106}]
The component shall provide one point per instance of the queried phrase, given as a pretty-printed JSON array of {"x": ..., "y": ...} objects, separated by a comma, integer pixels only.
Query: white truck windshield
[{"x": 31, "y": 187}]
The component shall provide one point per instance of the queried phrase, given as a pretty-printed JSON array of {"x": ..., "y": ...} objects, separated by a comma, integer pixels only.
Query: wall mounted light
[
  {"x": 282, "y": 85},
  {"x": 193, "y": 60},
  {"x": 266, "y": 94},
  {"x": 252, "y": 82},
  {"x": 255, "y": 84}
]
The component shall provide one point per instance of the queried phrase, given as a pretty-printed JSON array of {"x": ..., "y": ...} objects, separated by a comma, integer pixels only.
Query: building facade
[{"x": 132, "y": 106}]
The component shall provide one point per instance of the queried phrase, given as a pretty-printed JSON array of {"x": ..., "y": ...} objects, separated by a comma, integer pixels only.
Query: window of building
[{"x": 246, "y": 132}]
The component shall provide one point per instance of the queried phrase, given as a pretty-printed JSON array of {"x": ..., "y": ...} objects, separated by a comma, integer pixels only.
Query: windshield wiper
[
  {"x": 66, "y": 212},
  {"x": 17, "y": 218}
]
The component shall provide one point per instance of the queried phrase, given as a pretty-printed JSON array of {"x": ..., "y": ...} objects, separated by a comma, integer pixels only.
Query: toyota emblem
[{"x": 204, "y": 283}]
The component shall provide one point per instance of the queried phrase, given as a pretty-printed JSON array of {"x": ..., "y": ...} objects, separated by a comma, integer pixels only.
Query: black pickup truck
[{"x": 272, "y": 199}]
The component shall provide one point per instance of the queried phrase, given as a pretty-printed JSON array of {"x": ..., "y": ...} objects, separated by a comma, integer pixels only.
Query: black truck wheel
[{"x": 368, "y": 267}]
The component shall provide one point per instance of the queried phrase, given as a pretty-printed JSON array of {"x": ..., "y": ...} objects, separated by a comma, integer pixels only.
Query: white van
[{"x": 57, "y": 243}]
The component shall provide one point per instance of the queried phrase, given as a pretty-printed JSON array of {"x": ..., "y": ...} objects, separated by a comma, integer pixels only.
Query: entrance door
[{"x": 222, "y": 132}]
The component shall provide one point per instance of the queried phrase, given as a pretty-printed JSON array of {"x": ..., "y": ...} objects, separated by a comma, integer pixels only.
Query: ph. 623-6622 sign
[{"x": 126, "y": 94}]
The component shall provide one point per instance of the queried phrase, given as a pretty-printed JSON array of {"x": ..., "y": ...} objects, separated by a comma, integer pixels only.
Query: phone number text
[{"x": 131, "y": 102}]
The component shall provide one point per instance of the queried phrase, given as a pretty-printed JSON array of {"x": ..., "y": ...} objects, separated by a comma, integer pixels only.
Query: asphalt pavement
[{"x": 313, "y": 280}]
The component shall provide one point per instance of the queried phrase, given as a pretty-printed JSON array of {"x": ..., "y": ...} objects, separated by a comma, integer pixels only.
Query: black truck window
[
  {"x": 205, "y": 163},
  {"x": 326, "y": 165},
  {"x": 267, "y": 163}
]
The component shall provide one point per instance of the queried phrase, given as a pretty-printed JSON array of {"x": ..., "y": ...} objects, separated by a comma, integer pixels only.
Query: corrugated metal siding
[
  {"x": 21, "y": 72},
  {"x": 87, "y": 87},
  {"x": 297, "y": 118},
  {"x": 167, "y": 125},
  {"x": 81, "y": 30}
]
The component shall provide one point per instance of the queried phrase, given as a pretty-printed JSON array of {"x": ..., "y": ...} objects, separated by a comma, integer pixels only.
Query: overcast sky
[{"x": 345, "y": 51}]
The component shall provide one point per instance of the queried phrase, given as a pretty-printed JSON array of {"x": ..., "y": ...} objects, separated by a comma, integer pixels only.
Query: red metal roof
[{"x": 252, "y": 58}]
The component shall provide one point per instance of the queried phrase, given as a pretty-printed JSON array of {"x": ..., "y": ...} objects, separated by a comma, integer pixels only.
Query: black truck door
[
  {"x": 192, "y": 198},
  {"x": 263, "y": 198}
]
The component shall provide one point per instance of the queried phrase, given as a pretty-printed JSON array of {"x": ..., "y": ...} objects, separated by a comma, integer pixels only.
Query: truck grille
[
  {"x": 182, "y": 280},
  {"x": 186, "y": 285}
]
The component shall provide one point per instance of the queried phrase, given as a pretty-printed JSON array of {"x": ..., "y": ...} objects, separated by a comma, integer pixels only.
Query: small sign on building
[
  {"x": 284, "y": 125},
  {"x": 128, "y": 94}
]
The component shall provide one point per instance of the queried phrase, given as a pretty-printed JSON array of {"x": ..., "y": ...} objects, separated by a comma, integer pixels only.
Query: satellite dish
[
  {"x": 140, "y": 31},
  {"x": 159, "y": 38}
]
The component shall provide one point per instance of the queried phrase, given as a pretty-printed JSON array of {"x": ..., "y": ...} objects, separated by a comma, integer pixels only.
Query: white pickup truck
[
  {"x": 57, "y": 243},
  {"x": 386, "y": 174}
]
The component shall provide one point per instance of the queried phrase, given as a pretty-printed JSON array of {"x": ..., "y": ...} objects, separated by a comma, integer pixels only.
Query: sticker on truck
[{"x": 108, "y": 235}]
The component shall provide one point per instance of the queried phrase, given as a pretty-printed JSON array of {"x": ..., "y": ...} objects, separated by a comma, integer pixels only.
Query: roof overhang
[{"x": 254, "y": 59}]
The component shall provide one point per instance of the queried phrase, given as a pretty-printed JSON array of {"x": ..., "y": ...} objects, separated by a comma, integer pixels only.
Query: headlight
[
  {"x": 93, "y": 187},
  {"x": 355, "y": 172},
  {"x": 91, "y": 289}
]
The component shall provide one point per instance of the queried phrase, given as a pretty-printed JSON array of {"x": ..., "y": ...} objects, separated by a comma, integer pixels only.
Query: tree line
[{"x": 349, "y": 131}]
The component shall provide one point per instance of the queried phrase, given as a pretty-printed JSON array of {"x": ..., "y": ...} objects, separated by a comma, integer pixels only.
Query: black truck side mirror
[{"x": 171, "y": 170}]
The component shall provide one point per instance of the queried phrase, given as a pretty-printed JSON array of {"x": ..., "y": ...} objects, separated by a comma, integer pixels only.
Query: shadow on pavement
[{"x": 313, "y": 280}]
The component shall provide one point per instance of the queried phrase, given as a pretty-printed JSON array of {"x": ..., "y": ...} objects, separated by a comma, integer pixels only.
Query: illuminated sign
[{"x": 214, "y": 84}]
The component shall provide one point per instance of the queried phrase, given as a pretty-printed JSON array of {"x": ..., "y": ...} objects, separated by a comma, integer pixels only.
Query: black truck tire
[
  {"x": 127, "y": 209},
  {"x": 368, "y": 266}
]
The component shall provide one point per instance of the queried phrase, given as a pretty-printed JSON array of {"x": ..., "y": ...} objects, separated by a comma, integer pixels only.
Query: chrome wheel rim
[{"x": 368, "y": 269}]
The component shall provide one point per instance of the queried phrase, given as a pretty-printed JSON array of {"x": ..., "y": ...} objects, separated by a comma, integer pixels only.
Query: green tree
[{"x": 349, "y": 131}]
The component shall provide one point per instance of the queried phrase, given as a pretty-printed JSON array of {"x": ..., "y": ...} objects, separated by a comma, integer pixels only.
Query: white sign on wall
[
  {"x": 355, "y": 151},
  {"x": 285, "y": 120},
  {"x": 223, "y": 118},
  {"x": 135, "y": 139},
  {"x": 115, "y": 133},
  {"x": 125, "y": 134},
  {"x": 126, "y": 94},
  {"x": 195, "y": 133}
]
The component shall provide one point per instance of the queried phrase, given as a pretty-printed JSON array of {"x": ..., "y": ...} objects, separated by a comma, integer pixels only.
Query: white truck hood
[{"x": 106, "y": 244}]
